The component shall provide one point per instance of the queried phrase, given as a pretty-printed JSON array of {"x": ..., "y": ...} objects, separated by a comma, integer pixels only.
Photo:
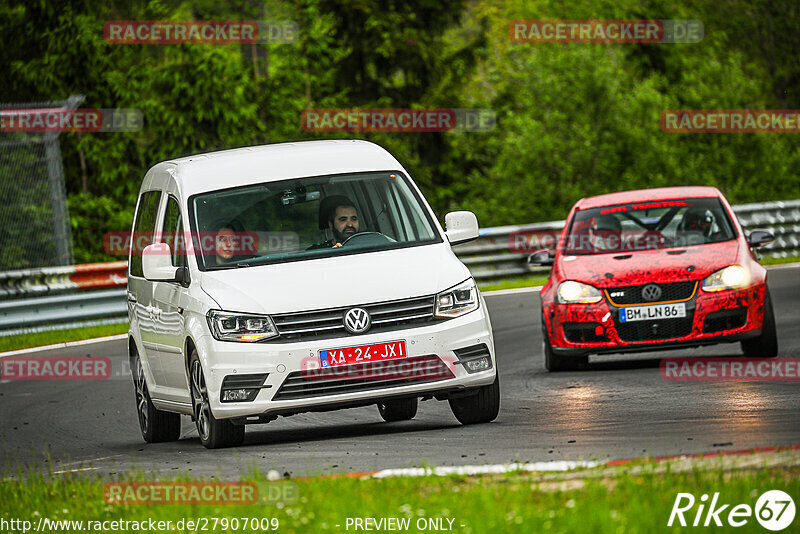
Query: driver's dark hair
[
  {"x": 339, "y": 201},
  {"x": 232, "y": 223}
]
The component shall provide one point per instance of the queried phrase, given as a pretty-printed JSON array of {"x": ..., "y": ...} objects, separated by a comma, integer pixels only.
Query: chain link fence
[{"x": 34, "y": 219}]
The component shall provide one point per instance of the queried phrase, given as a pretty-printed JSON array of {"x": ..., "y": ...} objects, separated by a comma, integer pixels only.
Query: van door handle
[{"x": 131, "y": 297}]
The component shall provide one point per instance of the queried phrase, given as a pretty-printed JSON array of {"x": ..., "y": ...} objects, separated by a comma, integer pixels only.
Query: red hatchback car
[{"x": 654, "y": 269}]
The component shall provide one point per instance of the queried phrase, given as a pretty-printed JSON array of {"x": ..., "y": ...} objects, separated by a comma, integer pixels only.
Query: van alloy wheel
[
  {"x": 202, "y": 408},
  {"x": 141, "y": 394}
]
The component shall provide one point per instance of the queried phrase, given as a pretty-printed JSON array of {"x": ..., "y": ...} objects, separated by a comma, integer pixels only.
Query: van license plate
[{"x": 379, "y": 352}]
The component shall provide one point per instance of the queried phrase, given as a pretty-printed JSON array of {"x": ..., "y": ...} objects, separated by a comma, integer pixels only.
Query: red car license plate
[{"x": 362, "y": 354}]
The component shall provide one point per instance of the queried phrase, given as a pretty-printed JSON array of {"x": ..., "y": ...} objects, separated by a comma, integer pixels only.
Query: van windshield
[
  {"x": 648, "y": 225},
  {"x": 308, "y": 218}
]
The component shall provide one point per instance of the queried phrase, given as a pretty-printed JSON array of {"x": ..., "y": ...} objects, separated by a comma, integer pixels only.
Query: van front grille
[
  {"x": 362, "y": 377},
  {"x": 329, "y": 323}
]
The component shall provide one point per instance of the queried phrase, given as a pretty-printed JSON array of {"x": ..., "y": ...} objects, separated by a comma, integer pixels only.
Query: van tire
[
  {"x": 482, "y": 407},
  {"x": 214, "y": 433},
  {"x": 398, "y": 410},
  {"x": 156, "y": 426}
]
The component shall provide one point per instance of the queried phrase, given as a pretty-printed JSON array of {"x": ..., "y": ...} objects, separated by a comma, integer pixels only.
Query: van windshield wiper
[{"x": 228, "y": 266}]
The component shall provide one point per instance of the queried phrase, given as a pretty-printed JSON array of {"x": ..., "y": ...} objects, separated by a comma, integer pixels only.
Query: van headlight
[
  {"x": 245, "y": 328},
  {"x": 571, "y": 292},
  {"x": 457, "y": 300},
  {"x": 731, "y": 277}
]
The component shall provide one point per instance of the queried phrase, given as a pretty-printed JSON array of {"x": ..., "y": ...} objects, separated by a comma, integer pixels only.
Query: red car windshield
[{"x": 648, "y": 225}]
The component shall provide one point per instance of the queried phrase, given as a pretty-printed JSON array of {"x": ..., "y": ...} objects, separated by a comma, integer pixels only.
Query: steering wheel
[{"x": 369, "y": 238}]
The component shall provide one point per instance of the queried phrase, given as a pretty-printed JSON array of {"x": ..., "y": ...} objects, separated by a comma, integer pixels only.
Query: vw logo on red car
[{"x": 651, "y": 292}]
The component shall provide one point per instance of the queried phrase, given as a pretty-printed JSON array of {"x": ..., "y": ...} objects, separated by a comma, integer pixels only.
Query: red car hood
[{"x": 640, "y": 267}]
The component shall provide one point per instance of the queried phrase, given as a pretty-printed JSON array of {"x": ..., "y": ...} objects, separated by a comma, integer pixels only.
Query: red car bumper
[{"x": 724, "y": 316}]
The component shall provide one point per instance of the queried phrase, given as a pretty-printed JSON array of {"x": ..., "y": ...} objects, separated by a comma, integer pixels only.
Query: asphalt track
[{"x": 619, "y": 408}]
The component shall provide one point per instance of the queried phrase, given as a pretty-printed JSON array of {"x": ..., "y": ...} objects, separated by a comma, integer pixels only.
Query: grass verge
[
  {"x": 779, "y": 261},
  {"x": 636, "y": 498},
  {"x": 24, "y": 341},
  {"x": 513, "y": 283}
]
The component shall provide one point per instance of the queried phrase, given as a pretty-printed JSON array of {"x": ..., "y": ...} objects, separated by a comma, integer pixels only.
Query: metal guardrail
[
  {"x": 51, "y": 280},
  {"x": 52, "y": 298},
  {"x": 63, "y": 297},
  {"x": 67, "y": 311}
]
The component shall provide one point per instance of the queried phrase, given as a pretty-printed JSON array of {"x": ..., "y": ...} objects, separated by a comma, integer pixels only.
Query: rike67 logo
[{"x": 774, "y": 510}]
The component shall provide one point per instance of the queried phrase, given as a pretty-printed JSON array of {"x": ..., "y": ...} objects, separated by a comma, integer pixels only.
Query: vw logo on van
[
  {"x": 357, "y": 320},
  {"x": 651, "y": 292}
]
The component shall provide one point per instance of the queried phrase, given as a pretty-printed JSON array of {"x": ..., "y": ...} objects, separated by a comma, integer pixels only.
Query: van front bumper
[{"x": 429, "y": 348}]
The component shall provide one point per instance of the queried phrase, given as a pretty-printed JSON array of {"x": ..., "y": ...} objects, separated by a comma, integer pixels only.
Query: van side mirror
[
  {"x": 759, "y": 238},
  {"x": 540, "y": 257},
  {"x": 157, "y": 265},
  {"x": 460, "y": 227}
]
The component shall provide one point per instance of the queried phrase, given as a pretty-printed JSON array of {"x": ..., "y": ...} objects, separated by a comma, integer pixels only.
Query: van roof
[{"x": 280, "y": 161}]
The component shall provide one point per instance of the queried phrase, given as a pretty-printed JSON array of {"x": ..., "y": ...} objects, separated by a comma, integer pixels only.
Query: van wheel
[
  {"x": 398, "y": 410},
  {"x": 555, "y": 363},
  {"x": 214, "y": 433},
  {"x": 765, "y": 345},
  {"x": 480, "y": 408},
  {"x": 156, "y": 426}
]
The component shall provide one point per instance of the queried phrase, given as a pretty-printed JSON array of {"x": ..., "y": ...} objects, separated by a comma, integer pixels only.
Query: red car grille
[
  {"x": 624, "y": 296},
  {"x": 655, "y": 330},
  {"x": 725, "y": 320},
  {"x": 584, "y": 332}
]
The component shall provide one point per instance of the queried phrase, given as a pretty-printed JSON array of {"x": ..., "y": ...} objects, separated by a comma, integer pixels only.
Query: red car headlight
[
  {"x": 571, "y": 292},
  {"x": 731, "y": 277}
]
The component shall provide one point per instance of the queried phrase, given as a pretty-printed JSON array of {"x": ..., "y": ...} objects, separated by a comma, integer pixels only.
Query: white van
[{"x": 288, "y": 278}]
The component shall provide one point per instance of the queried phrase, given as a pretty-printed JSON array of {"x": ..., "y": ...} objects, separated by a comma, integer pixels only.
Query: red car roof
[{"x": 647, "y": 195}]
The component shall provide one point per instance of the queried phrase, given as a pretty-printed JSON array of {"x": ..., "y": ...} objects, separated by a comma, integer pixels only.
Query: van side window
[
  {"x": 171, "y": 233},
  {"x": 143, "y": 229}
]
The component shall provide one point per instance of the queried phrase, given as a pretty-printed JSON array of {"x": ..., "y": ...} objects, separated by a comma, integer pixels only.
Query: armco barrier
[
  {"x": 58, "y": 297},
  {"x": 49, "y": 280},
  {"x": 33, "y": 300},
  {"x": 65, "y": 310}
]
